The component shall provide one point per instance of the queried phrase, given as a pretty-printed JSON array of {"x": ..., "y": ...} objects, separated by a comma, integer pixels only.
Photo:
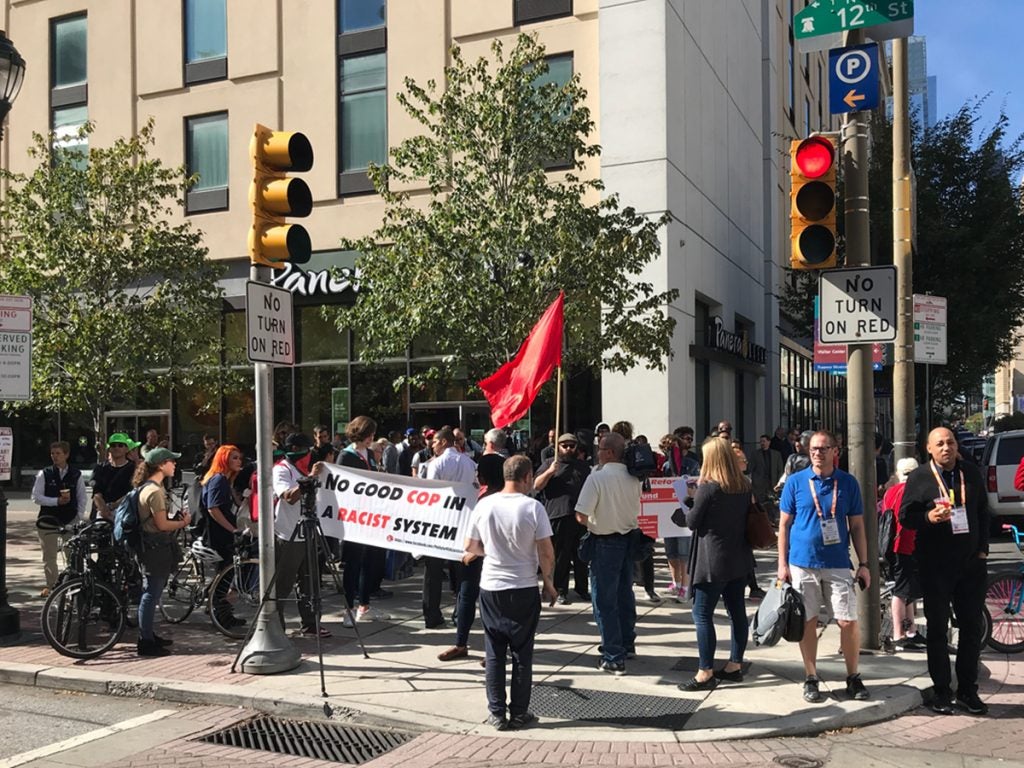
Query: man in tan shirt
[{"x": 609, "y": 505}]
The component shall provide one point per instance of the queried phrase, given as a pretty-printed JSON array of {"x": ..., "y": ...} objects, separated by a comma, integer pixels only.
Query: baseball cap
[
  {"x": 410, "y": 431},
  {"x": 904, "y": 467},
  {"x": 429, "y": 433},
  {"x": 160, "y": 455},
  {"x": 297, "y": 441},
  {"x": 121, "y": 437}
]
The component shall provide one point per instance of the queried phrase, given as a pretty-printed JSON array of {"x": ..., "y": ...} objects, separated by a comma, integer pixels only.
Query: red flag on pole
[{"x": 512, "y": 388}]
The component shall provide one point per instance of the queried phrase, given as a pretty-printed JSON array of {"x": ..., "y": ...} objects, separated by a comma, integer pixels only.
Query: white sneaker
[{"x": 369, "y": 614}]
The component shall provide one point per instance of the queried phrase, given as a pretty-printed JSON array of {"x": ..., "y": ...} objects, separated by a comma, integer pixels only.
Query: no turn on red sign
[{"x": 858, "y": 306}]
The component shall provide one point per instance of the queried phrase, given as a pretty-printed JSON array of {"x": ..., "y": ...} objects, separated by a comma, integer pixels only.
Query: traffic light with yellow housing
[
  {"x": 273, "y": 196},
  {"x": 812, "y": 194}
]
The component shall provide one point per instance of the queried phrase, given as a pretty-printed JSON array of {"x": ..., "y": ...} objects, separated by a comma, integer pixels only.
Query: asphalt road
[{"x": 31, "y": 717}]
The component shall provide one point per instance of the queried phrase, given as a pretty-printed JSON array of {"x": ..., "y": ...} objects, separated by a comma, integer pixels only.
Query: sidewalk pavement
[{"x": 402, "y": 684}]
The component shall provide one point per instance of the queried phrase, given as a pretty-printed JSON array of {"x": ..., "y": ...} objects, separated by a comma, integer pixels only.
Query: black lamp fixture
[{"x": 12, "y": 73}]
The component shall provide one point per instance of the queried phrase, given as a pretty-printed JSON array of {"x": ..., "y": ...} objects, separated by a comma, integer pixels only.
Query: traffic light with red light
[
  {"x": 273, "y": 196},
  {"x": 812, "y": 203}
]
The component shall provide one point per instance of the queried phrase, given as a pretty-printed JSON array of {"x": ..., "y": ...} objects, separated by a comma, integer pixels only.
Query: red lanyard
[
  {"x": 945, "y": 490},
  {"x": 817, "y": 504}
]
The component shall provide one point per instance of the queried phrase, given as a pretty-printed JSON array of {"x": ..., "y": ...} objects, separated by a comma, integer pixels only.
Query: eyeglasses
[
  {"x": 567, "y": 445},
  {"x": 820, "y": 448}
]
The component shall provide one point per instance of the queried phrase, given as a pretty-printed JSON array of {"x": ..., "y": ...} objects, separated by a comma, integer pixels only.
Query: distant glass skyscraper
[{"x": 923, "y": 87}]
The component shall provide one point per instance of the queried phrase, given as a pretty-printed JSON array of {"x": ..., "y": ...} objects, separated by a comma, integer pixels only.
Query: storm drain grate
[
  {"x": 310, "y": 738},
  {"x": 612, "y": 707}
]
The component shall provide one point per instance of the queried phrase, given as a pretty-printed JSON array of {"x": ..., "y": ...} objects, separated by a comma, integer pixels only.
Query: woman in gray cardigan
[{"x": 719, "y": 561}]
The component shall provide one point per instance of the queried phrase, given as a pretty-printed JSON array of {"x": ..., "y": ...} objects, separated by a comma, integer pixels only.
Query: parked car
[{"x": 999, "y": 461}]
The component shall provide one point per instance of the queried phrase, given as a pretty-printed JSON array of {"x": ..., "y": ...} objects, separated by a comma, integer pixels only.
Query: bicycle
[
  {"x": 236, "y": 587},
  {"x": 86, "y": 613},
  {"x": 1004, "y": 598}
]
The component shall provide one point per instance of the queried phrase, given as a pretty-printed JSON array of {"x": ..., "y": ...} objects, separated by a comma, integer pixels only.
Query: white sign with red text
[
  {"x": 6, "y": 452},
  {"x": 422, "y": 517},
  {"x": 656, "y": 508}
]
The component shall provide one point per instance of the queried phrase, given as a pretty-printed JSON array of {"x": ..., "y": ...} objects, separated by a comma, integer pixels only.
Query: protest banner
[
  {"x": 422, "y": 517},
  {"x": 657, "y": 506}
]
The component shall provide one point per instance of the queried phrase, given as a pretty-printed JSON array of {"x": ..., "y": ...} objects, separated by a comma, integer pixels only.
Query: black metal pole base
[{"x": 10, "y": 618}]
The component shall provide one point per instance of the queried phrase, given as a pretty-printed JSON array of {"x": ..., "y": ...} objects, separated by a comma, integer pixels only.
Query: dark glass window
[
  {"x": 357, "y": 15},
  {"x": 363, "y": 111},
  {"x": 528, "y": 11},
  {"x": 69, "y": 54},
  {"x": 69, "y": 90},
  {"x": 206, "y": 155},
  {"x": 206, "y": 40}
]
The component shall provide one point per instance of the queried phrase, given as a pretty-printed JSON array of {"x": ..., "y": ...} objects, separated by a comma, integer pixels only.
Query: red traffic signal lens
[{"x": 814, "y": 157}]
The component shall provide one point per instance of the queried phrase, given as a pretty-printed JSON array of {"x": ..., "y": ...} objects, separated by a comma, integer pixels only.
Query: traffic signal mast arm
[{"x": 273, "y": 196}]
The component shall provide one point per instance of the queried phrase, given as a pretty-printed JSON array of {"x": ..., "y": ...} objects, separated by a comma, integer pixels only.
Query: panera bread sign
[
  {"x": 327, "y": 274},
  {"x": 734, "y": 343}
]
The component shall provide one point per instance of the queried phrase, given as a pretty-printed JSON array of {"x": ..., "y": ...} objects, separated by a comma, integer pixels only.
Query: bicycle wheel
[
  {"x": 235, "y": 598},
  {"x": 184, "y": 591},
  {"x": 1003, "y": 600},
  {"x": 83, "y": 619}
]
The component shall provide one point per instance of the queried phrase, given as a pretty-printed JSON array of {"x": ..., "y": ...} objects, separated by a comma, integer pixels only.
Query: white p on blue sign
[{"x": 853, "y": 78}]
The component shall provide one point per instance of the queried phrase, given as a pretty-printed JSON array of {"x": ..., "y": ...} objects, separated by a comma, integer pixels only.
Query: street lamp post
[{"x": 12, "y": 72}]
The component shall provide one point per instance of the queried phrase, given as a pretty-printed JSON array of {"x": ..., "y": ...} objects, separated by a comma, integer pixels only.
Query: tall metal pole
[
  {"x": 861, "y": 403},
  {"x": 904, "y": 434},
  {"x": 269, "y": 650}
]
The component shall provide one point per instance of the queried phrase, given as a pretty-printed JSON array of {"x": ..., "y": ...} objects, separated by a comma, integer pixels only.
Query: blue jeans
[
  {"x": 705, "y": 600},
  {"x": 152, "y": 588},
  {"x": 611, "y": 594},
  {"x": 465, "y": 608}
]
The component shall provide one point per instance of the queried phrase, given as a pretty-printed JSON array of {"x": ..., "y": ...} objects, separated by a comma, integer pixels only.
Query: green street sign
[{"x": 827, "y": 17}]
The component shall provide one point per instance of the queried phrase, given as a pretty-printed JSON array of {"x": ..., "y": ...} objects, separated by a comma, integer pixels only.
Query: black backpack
[
  {"x": 886, "y": 533},
  {"x": 640, "y": 462}
]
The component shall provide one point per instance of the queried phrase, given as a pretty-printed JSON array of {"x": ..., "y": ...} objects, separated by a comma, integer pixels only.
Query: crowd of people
[{"x": 569, "y": 512}]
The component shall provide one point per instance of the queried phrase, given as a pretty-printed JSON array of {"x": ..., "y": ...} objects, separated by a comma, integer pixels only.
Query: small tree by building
[
  {"x": 124, "y": 302},
  {"x": 469, "y": 266}
]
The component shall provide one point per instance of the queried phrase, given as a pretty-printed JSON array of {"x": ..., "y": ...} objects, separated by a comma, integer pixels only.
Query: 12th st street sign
[{"x": 820, "y": 25}]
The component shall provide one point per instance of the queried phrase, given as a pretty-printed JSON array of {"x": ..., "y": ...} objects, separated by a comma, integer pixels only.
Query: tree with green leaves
[
  {"x": 124, "y": 302},
  {"x": 970, "y": 241},
  {"x": 468, "y": 266}
]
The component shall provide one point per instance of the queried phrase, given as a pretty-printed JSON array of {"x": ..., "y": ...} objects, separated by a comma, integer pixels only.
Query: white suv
[{"x": 999, "y": 462}]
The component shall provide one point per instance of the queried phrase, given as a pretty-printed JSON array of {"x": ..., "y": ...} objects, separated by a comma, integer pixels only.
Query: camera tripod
[{"x": 308, "y": 529}]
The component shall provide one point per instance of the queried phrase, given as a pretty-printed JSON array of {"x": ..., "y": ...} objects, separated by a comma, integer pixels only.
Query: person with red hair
[{"x": 219, "y": 500}]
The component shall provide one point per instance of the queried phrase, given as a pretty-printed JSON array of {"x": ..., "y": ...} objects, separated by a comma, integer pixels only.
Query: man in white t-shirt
[{"x": 512, "y": 533}]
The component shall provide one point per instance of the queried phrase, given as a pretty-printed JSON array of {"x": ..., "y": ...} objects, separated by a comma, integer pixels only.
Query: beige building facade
[{"x": 695, "y": 103}]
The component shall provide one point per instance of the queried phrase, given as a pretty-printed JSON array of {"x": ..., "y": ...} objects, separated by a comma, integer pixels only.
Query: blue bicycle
[{"x": 1004, "y": 599}]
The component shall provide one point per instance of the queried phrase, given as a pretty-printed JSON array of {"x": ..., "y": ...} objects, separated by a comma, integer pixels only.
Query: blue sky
[{"x": 975, "y": 46}]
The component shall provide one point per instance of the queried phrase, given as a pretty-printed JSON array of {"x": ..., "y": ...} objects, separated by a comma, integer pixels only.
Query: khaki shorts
[{"x": 815, "y": 584}]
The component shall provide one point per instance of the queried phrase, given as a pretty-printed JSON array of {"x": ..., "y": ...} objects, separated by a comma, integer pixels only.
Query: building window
[
  {"x": 206, "y": 156},
  {"x": 69, "y": 90},
  {"x": 206, "y": 40},
  {"x": 529, "y": 11},
  {"x": 559, "y": 74},
  {"x": 362, "y": 92},
  {"x": 359, "y": 15}
]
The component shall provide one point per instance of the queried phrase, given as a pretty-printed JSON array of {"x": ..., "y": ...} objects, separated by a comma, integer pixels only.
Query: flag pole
[{"x": 558, "y": 404}]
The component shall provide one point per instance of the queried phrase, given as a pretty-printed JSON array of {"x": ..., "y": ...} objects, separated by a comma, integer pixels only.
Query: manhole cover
[
  {"x": 583, "y": 704},
  {"x": 309, "y": 738},
  {"x": 798, "y": 761}
]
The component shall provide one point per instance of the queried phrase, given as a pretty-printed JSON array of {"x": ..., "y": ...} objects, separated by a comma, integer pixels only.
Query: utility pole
[
  {"x": 860, "y": 380},
  {"x": 904, "y": 433}
]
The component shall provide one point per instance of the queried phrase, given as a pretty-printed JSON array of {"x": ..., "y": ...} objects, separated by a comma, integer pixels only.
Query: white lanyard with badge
[
  {"x": 829, "y": 525},
  {"x": 958, "y": 514}
]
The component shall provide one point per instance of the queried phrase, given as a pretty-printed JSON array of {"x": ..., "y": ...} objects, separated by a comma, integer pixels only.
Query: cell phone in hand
[{"x": 861, "y": 583}]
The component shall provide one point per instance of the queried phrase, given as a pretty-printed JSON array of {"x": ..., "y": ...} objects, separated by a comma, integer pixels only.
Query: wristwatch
[{"x": 863, "y": 565}]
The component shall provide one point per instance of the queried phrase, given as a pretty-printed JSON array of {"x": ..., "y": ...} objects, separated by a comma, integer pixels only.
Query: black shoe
[
  {"x": 693, "y": 685},
  {"x": 942, "y": 704},
  {"x": 613, "y": 668},
  {"x": 653, "y": 596},
  {"x": 562, "y": 599},
  {"x": 382, "y": 594},
  {"x": 163, "y": 642},
  {"x": 150, "y": 648},
  {"x": 735, "y": 676},
  {"x": 437, "y": 624},
  {"x": 522, "y": 720},
  {"x": 584, "y": 594},
  {"x": 855, "y": 688},
  {"x": 811, "y": 692},
  {"x": 913, "y": 643},
  {"x": 756, "y": 593},
  {"x": 498, "y": 722},
  {"x": 971, "y": 703}
]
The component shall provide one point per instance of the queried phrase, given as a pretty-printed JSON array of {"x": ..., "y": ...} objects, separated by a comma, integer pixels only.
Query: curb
[{"x": 803, "y": 723}]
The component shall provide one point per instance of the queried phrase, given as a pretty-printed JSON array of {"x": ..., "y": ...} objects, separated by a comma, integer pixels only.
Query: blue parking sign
[{"x": 853, "y": 78}]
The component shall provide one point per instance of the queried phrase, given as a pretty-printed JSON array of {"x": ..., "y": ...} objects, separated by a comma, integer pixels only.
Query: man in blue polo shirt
[{"x": 820, "y": 513}]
